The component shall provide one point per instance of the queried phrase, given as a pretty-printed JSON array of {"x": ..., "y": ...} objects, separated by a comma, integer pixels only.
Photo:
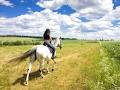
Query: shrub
[
  {"x": 18, "y": 42},
  {"x": 6, "y": 43},
  {"x": 1, "y": 43}
]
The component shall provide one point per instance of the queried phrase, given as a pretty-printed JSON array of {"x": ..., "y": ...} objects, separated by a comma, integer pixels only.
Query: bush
[
  {"x": 16, "y": 43},
  {"x": 1, "y": 43},
  {"x": 27, "y": 43},
  {"x": 36, "y": 42},
  {"x": 6, "y": 43}
]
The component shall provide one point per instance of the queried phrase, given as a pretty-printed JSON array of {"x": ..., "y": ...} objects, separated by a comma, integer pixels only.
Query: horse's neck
[{"x": 54, "y": 43}]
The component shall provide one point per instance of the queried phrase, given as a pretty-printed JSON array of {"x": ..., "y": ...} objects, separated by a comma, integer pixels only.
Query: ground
[{"x": 74, "y": 62}]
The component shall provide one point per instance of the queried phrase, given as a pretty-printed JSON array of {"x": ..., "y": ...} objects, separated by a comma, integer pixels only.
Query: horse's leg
[
  {"x": 54, "y": 61},
  {"x": 41, "y": 66},
  {"x": 48, "y": 66},
  {"x": 53, "y": 64},
  {"x": 29, "y": 68}
]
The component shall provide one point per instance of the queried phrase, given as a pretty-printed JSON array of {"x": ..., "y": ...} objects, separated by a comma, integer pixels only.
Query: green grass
[{"x": 80, "y": 65}]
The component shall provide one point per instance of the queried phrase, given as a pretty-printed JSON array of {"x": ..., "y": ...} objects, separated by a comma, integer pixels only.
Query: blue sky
[
  {"x": 21, "y": 8},
  {"x": 116, "y": 3},
  {"x": 78, "y": 19}
]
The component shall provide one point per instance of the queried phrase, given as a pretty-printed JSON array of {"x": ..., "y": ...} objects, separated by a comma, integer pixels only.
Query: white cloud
[
  {"x": 88, "y": 8},
  {"x": 6, "y": 3},
  {"x": 29, "y": 10},
  {"x": 22, "y": 1},
  {"x": 55, "y": 4},
  {"x": 35, "y": 23},
  {"x": 113, "y": 15}
]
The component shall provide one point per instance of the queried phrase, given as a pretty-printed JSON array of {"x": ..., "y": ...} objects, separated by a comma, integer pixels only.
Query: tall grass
[
  {"x": 113, "y": 49},
  {"x": 111, "y": 64},
  {"x": 105, "y": 75}
]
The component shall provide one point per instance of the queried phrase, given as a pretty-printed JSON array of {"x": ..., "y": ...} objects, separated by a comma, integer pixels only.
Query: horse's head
[{"x": 57, "y": 42}]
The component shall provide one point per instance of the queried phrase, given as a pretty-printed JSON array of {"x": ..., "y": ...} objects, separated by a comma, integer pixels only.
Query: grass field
[{"x": 78, "y": 68}]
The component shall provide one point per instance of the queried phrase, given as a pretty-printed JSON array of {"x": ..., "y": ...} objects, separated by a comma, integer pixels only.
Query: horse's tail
[{"x": 24, "y": 55}]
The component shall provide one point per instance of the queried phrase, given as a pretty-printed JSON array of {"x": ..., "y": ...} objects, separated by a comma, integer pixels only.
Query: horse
[{"x": 41, "y": 53}]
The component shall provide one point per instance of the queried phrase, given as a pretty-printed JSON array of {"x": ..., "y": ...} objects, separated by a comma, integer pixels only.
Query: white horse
[{"x": 41, "y": 53}]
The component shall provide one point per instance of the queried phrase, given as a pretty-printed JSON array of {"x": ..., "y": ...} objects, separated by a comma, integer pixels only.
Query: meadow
[{"x": 81, "y": 65}]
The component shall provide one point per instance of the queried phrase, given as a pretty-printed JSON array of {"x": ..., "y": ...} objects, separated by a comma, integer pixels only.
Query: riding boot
[{"x": 53, "y": 56}]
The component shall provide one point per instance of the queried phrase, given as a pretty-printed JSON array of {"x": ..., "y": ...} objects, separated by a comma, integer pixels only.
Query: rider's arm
[{"x": 50, "y": 39}]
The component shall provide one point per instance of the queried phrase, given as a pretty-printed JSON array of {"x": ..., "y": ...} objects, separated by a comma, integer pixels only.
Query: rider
[{"x": 47, "y": 41}]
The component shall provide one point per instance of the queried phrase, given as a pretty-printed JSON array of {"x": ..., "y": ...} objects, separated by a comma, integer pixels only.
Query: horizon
[{"x": 66, "y": 38}]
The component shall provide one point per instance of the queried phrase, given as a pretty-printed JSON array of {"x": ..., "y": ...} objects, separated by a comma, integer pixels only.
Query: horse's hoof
[
  {"x": 42, "y": 76},
  {"x": 48, "y": 72},
  {"x": 25, "y": 83},
  {"x": 52, "y": 69},
  {"x": 55, "y": 62}
]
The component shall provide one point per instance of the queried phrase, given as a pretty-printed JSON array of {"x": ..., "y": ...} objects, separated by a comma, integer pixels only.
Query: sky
[{"x": 81, "y": 19}]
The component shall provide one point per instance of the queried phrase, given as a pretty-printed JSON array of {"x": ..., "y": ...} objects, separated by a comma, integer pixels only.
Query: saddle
[{"x": 51, "y": 50}]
